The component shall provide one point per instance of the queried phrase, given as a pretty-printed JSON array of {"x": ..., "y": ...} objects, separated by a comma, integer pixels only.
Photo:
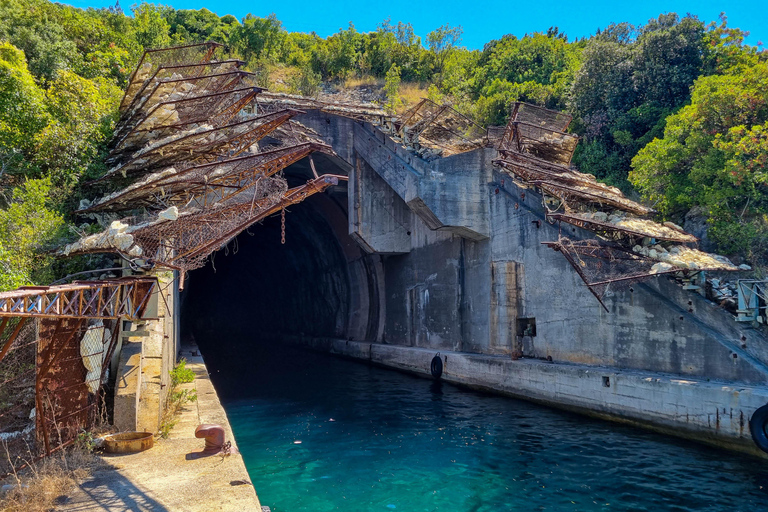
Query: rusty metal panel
[{"x": 72, "y": 360}]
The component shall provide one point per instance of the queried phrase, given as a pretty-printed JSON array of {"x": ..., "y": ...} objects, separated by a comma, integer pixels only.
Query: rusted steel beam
[
  {"x": 292, "y": 196},
  {"x": 558, "y": 248},
  {"x": 81, "y": 299},
  {"x": 12, "y": 337},
  {"x": 169, "y": 75},
  {"x": 202, "y": 147},
  {"x": 154, "y": 58}
]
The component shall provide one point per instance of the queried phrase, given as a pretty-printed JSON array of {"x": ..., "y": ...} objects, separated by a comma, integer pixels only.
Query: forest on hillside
[{"x": 674, "y": 112}]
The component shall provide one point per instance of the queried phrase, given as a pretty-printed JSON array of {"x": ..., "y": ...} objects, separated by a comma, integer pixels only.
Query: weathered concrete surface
[
  {"x": 128, "y": 386},
  {"x": 447, "y": 255},
  {"x": 168, "y": 477},
  {"x": 716, "y": 413}
]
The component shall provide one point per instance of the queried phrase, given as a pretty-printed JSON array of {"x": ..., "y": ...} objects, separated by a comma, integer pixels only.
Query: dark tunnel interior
[{"x": 313, "y": 285}]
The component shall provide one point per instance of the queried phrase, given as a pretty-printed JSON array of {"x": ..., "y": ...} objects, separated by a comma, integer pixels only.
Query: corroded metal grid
[
  {"x": 206, "y": 184},
  {"x": 600, "y": 264},
  {"x": 634, "y": 230},
  {"x": 557, "y": 147},
  {"x": 540, "y": 116},
  {"x": 151, "y": 60},
  {"x": 185, "y": 242},
  {"x": 440, "y": 126},
  {"x": 123, "y": 297},
  {"x": 539, "y": 132},
  {"x": 573, "y": 189},
  {"x": 56, "y": 343},
  {"x": 168, "y": 82},
  {"x": 73, "y": 355},
  {"x": 200, "y": 145},
  {"x": 596, "y": 196},
  {"x": 182, "y": 100},
  {"x": 169, "y": 118},
  {"x": 271, "y": 102}
]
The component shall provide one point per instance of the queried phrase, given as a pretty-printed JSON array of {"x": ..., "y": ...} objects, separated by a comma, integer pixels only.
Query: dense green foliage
[{"x": 675, "y": 110}]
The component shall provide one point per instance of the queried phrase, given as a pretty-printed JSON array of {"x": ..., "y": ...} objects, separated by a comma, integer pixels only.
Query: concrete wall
[
  {"x": 464, "y": 268},
  {"x": 416, "y": 257},
  {"x": 712, "y": 412},
  {"x": 148, "y": 353}
]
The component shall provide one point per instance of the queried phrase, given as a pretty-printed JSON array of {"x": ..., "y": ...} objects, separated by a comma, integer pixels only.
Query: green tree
[
  {"x": 258, "y": 39},
  {"x": 714, "y": 154},
  {"x": 22, "y": 112},
  {"x": 151, "y": 28},
  {"x": 392, "y": 89},
  {"x": 442, "y": 41}
]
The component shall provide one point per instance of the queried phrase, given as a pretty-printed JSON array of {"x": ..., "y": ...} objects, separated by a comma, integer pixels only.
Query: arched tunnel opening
[{"x": 317, "y": 284}]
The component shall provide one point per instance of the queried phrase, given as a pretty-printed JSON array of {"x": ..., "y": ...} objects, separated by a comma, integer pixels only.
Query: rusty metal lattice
[
  {"x": 184, "y": 242},
  {"x": 124, "y": 297},
  {"x": 56, "y": 344},
  {"x": 206, "y": 184},
  {"x": 151, "y": 60},
  {"x": 73, "y": 355},
  {"x": 440, "y": 126},
  {"x": 203, "y": 144},
  {"x": 600, "y": 264},
  {"x": 272, "y": 102},
  {"x": 165, "y": 118},
  {"x": 180, "y": 81},
  {"x": 633, "y": 228},
  {"x": 539, "y": 132}
]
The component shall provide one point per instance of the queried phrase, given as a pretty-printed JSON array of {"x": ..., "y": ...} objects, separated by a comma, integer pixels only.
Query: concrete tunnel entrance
[{"x": 318, "y": 284}]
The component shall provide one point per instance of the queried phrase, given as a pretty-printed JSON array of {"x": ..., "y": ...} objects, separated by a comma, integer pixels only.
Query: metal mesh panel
[
  {"x": 557, "y": 147},
  {"x": 200, "y": 185},
  {"x": 169, "y": 118},
  {"x": 199, "y": 145},
  {"x": 169, "y": 80},
  {"x": 179, "y": 89},
  {"x": 440, "y": 127},
  {"x": 153, "y": 59},
  {"x": 540, "y": 116}
]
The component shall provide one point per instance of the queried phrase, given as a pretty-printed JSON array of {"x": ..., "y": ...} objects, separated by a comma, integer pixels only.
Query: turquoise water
[{"x": 320, "y": 433}]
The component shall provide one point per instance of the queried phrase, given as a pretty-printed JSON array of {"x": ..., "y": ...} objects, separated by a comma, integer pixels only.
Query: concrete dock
[{"x": 169, "y": 477}]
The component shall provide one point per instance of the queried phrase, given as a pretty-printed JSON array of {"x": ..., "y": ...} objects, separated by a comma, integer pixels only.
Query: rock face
[{"x": 695, "y": 222}]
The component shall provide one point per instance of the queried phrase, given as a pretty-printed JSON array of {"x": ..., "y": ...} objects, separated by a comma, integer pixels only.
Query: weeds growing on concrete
[{"x": 177, "y": 398}]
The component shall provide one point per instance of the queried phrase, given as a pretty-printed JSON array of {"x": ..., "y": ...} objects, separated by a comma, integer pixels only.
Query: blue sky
[{"x": 482, "y": 22}]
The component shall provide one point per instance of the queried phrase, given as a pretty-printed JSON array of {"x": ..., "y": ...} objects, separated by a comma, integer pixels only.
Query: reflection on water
[{"x": 320, "y": 433}]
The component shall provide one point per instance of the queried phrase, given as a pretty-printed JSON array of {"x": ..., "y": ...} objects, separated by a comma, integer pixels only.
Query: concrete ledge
[{"x": 715, "y": 413}]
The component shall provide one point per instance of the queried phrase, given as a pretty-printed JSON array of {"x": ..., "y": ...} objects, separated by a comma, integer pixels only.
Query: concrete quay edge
[{"x": 711, "y": 412}]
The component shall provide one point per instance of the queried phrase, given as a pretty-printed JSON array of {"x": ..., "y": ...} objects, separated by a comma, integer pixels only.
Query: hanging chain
[{"x": 282, "y": 227}]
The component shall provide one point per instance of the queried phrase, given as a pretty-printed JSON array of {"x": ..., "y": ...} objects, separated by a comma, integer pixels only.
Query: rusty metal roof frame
[
  {"x": 189, "y": 53},
  {"x": 216, "y": 109},
  {"x": 552, "y": 145},
  {"x": 540, "y": 116},
  {"x": 165, "y": 74},
  {"x": 210, "y": 84},
  {"x": 427, "y": 120},
  {"x": 231, "y": 176},
  {"x": 185, "y": 243},
  {"x": 595, "y": 250},
  {"x": 124, "y": 297},
  {"x": 615, "y": 232},
  {"x": 237, "y": 137},
  {"x": 598, "y": 196},
  {"x": 359, "y": 112},
  {"x": 564, "y": 183},
  {"x": 238, "y": 218}
]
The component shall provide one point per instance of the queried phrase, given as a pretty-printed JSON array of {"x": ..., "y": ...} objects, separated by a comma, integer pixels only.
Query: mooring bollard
[{"x": 214, "y": 437}]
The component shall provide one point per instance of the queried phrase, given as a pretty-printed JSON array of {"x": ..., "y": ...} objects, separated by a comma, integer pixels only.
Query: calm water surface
[{"x": 320, "y": 433}]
